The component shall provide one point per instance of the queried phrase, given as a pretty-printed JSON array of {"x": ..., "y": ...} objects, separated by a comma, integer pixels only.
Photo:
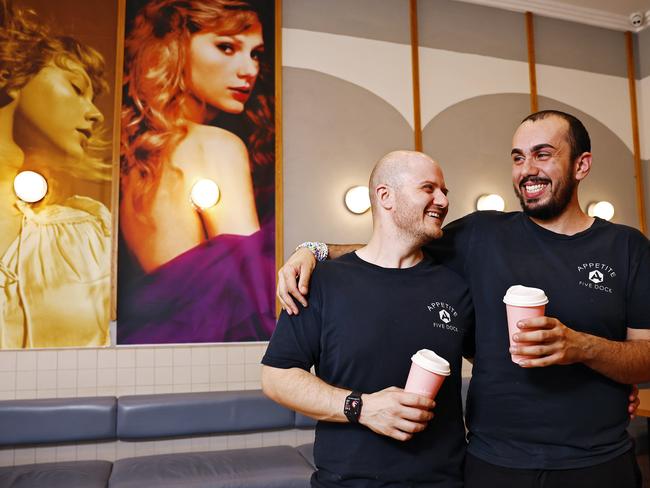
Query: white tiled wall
[
  {"x": 128, "y": 371},
  {"x": 131, "y": 371}
]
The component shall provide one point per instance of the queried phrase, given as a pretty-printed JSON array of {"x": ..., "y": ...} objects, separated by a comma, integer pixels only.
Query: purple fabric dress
[{"x": 220, "y": 291}]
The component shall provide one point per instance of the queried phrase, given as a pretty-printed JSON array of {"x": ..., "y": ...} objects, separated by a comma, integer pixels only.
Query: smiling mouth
[
  {"x": 534, "y": 189},
  {"x": 435, "y": 215}
]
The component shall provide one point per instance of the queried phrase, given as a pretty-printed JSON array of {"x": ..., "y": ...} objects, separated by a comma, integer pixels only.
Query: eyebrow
[
  {"x": 535, "y": 148},
  {"x": 237, "y": 41}
]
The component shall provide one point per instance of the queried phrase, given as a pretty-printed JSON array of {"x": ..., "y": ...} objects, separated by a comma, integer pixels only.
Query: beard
[
  {"x": 409, "y": 220},
  {"x": 560, "y": 197}
]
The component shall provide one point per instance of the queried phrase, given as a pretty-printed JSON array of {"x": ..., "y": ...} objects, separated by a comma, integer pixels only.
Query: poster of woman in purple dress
[{"x": 196, "y": 258}]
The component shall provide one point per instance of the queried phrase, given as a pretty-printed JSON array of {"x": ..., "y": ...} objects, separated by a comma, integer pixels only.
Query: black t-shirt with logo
[
  {"x": 362, "y": 326},
  {"x": 598, "y": 282}
]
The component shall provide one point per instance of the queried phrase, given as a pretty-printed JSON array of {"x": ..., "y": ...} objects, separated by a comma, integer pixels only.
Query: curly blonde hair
[
  {"x": 156, "y": 97},
  {"x": 26, "y": 47}
]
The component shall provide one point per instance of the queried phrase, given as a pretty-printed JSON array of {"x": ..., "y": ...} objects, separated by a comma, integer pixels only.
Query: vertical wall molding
[
  {"x": 532, "y": 73},
  {"x": 638, "y": 174},
  {"x": 279, "y": 188},
  {"x": 116, "y": 170},
  {"x": 415, "y": 68}
]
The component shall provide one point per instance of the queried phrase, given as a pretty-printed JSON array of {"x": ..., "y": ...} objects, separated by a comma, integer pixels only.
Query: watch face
[{"x": 352, "y": 407}]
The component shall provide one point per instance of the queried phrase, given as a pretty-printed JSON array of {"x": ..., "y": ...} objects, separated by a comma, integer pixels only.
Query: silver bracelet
[{"x": 318, "y": 249}]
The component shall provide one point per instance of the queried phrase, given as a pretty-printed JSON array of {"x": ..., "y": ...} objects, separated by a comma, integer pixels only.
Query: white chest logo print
[
  {"x": 596, "y": 276},
  {"x": 444, "y": 316}
]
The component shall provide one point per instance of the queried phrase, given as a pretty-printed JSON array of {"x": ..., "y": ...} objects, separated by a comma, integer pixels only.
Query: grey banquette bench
[{"x": 149, "y": 417}]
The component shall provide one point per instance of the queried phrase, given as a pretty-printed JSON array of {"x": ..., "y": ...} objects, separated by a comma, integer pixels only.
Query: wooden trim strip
[
  {"x": 115, "y": 177},
  {"x": 415, "y": 68},
  {"x": 532, "y": 73},
  {"x": 638, "y": 174},
  {"x": 279, "y": 193}
]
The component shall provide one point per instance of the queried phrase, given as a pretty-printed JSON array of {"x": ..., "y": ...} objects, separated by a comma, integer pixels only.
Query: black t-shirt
[
  {"x": 362, "y": 326},
  {"x": 598, "y": 282}
]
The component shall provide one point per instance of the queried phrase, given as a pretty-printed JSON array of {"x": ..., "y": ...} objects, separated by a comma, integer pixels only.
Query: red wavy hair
[{"x": 156, "y": 98}]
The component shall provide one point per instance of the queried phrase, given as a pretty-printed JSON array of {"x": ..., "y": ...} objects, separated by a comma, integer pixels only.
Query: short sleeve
[
  {"x": 638, "y": 287},
  {"x": 296, "y": 340}
]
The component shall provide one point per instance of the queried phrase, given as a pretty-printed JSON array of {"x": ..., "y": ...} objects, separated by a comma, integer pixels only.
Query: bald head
[{"x": 391, "y": 169}]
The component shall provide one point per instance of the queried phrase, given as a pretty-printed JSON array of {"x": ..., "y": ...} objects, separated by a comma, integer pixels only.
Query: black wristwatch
[{"x": 352, "y": 407}]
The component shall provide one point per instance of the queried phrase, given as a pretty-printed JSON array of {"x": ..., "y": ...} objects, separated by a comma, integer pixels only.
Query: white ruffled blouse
[{"x": 55, "y": 277}]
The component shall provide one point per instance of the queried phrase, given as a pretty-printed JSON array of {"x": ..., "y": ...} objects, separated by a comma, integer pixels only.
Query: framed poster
[
  {"x": 56, "y": 105},
  {"x": 198, "y": 126}
]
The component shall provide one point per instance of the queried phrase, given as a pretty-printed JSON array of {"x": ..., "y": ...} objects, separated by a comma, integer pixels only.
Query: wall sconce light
[
  {"x": 357, "y": 199},
  {"x": 603, "y": 209},
  {"x": 30, "y": 186},
  {"x": 490, "y": 202},
  {"x": 205, "y": 193}
]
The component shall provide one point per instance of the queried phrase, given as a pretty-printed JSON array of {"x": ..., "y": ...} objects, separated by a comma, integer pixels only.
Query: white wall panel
[
  {"x": 383, "y": 68},
  {"x": 604, "y": 97},
  {"x": 448, "y": 77}
]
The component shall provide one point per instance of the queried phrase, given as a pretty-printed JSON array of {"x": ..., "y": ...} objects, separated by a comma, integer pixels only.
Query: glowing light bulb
[
  {"x": 205, "y": 193},
  {"x": 490, "y": 202},
  {"x": 30, "y": 186},
  {"x": 357, "y": 199},
  {"x": 603, "y": 209}
]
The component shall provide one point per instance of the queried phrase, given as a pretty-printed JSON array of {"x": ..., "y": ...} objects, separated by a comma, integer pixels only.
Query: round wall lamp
[
  {"x": 357, "y": 199},
  {"x": 30, "y": 186},
  {"x": 603, "y": 209},
  {"x": 490, "y": 202},
  {"x": 205, "y": 193}
]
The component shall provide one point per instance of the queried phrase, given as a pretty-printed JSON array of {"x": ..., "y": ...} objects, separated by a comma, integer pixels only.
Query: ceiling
[
  {"x": 622, "y": 7},
  {"x": 612, "y": 14}
]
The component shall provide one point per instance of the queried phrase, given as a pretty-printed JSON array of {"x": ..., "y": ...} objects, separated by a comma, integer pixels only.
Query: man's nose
[
  {"x": 441, "y": 200},
  {"x": 529, "y": 167}
]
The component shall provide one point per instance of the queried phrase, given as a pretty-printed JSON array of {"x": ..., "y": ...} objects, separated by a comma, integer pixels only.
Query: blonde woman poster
[
  {"x": 54, "y": 104},
  {"x": 197, "y": 104}
]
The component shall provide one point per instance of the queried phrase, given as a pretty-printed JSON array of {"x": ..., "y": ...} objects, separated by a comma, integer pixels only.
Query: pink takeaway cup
[
  {"x": 428, "y": 371},
  {"x": 522, "y": 302}
]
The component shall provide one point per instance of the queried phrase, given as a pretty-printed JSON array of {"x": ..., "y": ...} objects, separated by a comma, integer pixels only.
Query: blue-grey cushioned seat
[
  {"x": 307, "y": 451},
  {"x": 57, "y": 420},
  {"x": 73, "y": 474},
  {"x": 183, "y": 414},
  {"x": 263, "y": 467}
]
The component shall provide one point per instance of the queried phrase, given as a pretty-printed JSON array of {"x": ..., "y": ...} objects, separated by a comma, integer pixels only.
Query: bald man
[{"x": 369, "y": 312}]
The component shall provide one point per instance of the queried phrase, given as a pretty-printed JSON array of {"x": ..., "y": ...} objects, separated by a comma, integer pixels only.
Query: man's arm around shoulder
[{"x": 294, "y": 275}]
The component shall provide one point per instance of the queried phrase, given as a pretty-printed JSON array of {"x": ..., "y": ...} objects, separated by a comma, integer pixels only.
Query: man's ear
[
  {"x": 384, "y": 196},
  {"x": 583, "y": 166}
]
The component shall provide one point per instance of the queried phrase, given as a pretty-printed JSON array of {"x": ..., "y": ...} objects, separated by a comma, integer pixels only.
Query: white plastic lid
[
  {"x": 524, "y": 296},
  {"x": 430, "y": 361}
]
